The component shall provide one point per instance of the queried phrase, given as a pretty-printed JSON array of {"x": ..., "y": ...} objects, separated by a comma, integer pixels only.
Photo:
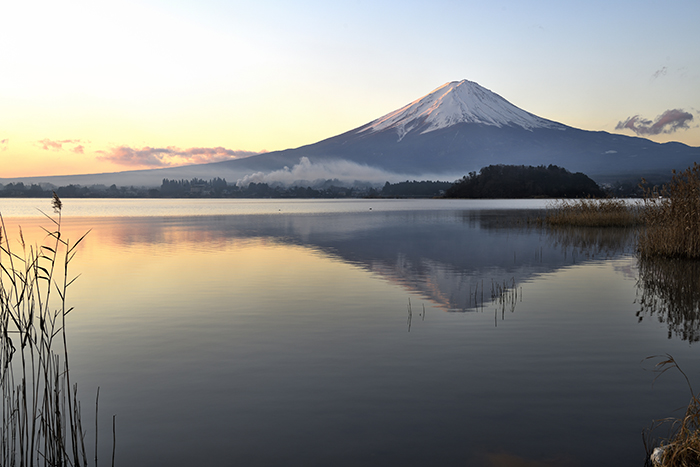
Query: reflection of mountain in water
[
  {"x": 451, "y": 257},
  {"x": 455, "y": 259},
  {"x": 670, "y": 290}
]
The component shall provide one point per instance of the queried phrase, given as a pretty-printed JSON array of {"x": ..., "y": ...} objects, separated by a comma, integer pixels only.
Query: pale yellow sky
[{"x": 84, "y": 86}]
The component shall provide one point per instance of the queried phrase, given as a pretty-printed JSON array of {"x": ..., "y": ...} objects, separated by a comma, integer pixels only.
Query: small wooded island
[{"x": 519, "y": 181}]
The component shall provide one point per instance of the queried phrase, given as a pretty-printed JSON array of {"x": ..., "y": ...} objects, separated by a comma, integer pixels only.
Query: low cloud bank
[
  {"x": 668, "y": 122},
  {"x": 312, "y": 174},
  {"x": 309, "y": 173},
  {"x": 170, "y": 156}
]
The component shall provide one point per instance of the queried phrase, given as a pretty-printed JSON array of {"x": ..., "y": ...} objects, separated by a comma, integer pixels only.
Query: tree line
[
  {"x": 494, "y": 181},
  {"x": 220, "y": 188}
]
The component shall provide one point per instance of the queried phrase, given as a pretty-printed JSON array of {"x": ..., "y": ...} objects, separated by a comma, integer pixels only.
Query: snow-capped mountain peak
[{"x": 458, "y": 102}]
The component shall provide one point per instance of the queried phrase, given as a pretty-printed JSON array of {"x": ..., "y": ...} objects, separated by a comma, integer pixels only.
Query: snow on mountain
[{"x": 457, "y": 102}]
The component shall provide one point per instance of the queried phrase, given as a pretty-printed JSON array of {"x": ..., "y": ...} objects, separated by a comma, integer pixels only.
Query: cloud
[
  {"x": 79, "y": 149},
  {"x": 170, "y": 156},
  {"x": 57, "y": 145},
  {"x": 4, "y": 143},
  {"x": 307, "y": 173},
  {"x": 668, "y": 122}
]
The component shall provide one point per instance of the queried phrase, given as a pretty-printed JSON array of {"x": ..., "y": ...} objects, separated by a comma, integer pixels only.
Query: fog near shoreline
[
  {"x": 305, "y": 173},
  {"x": 308, "y": 173}
]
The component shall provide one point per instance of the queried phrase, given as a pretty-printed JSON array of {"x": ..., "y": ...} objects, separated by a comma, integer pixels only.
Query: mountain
[
  {"x": 458, "y": 128},
  {"x": 462, "y": 127}
]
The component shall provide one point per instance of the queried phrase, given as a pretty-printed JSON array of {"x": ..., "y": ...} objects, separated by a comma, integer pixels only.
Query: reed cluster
[
  {"x": 672, "y": 218},
  {"x": 41, "y": 419},
  {"x": 591, "y": 212}
]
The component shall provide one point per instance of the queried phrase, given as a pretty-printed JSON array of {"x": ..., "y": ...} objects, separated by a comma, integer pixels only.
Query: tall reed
[
  {"x": 41, "y": 415},
  {"x": 672, "y": 217}
]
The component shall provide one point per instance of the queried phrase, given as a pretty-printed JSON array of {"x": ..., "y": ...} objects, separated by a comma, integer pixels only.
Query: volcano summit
[{"x": 458, "y": 102}]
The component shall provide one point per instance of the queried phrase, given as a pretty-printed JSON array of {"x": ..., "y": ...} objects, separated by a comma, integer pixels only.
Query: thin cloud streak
[
  {"x": 170, "y": 156},
  {"x": 668, "y": 122},
  {"x": 57, "y": 145}
]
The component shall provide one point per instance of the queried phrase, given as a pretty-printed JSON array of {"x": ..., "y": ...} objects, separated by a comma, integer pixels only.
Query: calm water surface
[{"x": 363, "y": 332}]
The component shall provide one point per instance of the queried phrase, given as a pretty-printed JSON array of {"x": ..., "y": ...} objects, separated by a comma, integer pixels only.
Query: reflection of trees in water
[
  {"x": 670, "y": 289},
  {"x": 590, "y": 242}
]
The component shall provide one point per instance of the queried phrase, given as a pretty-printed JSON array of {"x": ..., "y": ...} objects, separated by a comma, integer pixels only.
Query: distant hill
[{"x": 456, "y": 129}]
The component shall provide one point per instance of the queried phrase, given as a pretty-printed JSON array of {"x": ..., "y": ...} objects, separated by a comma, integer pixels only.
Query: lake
[{"x": 365, "y": 332}]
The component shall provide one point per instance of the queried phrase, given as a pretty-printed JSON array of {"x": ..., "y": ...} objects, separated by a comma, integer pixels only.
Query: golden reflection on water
[
  {"x": 131, "y": 269},
  {"x": 244, "y": 270},
  {"x": 123, "y": 261}
]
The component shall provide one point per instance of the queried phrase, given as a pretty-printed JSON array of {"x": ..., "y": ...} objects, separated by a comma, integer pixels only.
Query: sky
[{"x": 95, "y": 86}]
